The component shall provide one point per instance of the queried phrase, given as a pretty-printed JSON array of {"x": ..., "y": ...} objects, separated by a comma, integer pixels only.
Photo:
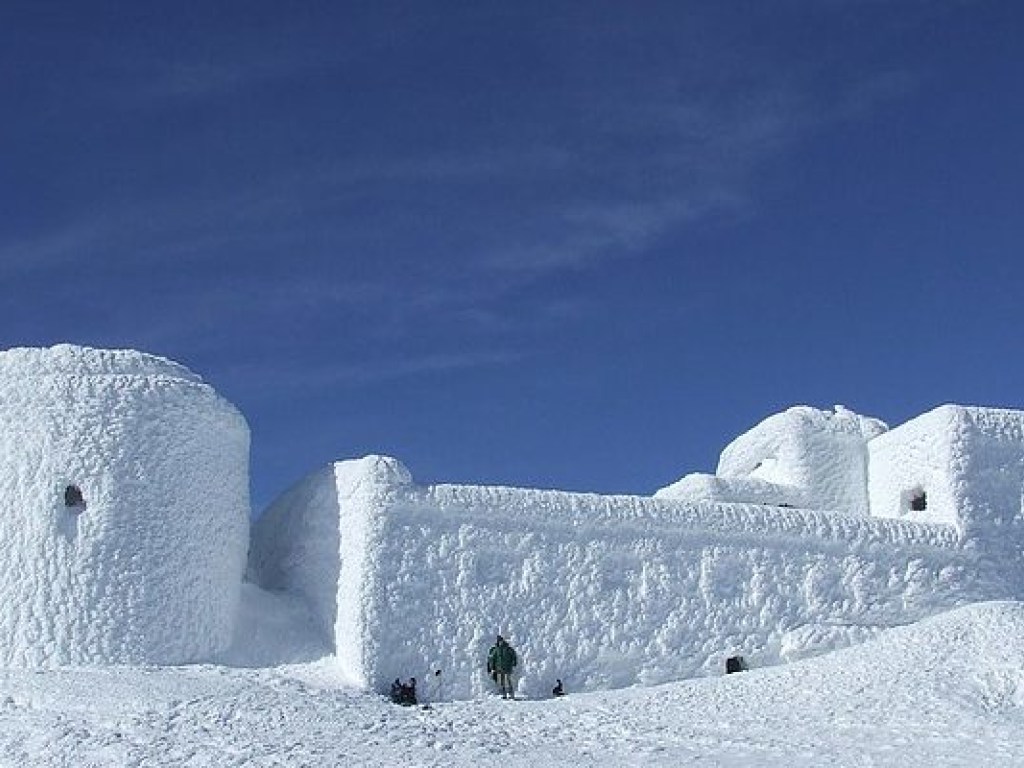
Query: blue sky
[{"x": 555, "y": 244}]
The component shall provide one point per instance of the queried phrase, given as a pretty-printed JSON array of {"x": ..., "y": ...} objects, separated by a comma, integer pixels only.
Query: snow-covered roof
[{"x": 71, "y": 360}]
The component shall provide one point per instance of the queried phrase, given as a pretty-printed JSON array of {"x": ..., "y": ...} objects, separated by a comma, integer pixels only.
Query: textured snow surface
[
  {"x": 600, "y": 591},
  {"x": 800, "y": 457},
  {"x": 701, "y": 487},
  {"x": 322, "y": 542},
  {"x": 946, "y": 692},
  {"x": 960, "y": 456},
  {"x": 295, "y": 548},
  {"x": 968, "y": 463},
  {"x": 149, "y": 568},
  {"x": 63, "y": 360}
]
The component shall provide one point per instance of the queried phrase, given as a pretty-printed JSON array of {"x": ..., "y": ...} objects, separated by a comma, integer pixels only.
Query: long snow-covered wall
[
  {"x": 599, "y": 591},
  {"x": 144, "y": 561}
]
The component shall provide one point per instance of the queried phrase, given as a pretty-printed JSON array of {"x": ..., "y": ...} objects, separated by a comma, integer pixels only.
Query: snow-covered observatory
[
  {"x": 124, "y": 532},
  {"x": 124, "y": 508}
]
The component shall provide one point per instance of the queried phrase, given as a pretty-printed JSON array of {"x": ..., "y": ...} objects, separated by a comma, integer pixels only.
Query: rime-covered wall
[
  {"x": 403, "y": 580},
  {"x": 149, "y": 570},
  {"x": 966, "y": 466},
  {"x": 321, "y": 541},
  {"x": 920, "y": 456},
  {"x": 609, "y": 591},
  {"x": 612, "y": 592}
]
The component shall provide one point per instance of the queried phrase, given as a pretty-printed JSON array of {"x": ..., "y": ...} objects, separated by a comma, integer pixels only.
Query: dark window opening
[
  {"x": 919, "y": 501},
  {"x": 735, "y": 664},
  {"x": 73, "y": 497}
]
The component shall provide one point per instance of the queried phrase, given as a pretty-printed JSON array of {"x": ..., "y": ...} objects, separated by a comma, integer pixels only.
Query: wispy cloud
[
  {"x": 283, "y": 381},
  {"x": 866, "y": 97},
  {"x": 165, "y": 77},
  {"x": 596, "y": 232},
  {"x": 397, "y": 241},
  {"x": 681, "y": 160},
  {"x": 45, "y": 250}
]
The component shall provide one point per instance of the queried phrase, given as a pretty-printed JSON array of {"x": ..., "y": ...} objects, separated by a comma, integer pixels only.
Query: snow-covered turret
[
  {"x": 123, "y": 509},
  {"x": 955, "y": 464},
  {"x": 802, "y": 457},
  {"x": 962, "y": 466}
]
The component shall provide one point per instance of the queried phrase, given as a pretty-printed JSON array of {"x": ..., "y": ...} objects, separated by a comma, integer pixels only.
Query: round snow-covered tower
[{"x": 124, "y": 509}]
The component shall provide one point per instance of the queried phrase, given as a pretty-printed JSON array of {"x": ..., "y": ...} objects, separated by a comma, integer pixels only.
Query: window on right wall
[
  {"x": 913, "y": 499},
  {"x": 918, "y": 501}
]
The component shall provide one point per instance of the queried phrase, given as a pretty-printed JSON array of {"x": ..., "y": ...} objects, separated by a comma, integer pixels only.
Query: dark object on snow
[
  {"x": 735, "y": 664},
  {"x": 558, "y": 690},
  {"x": 404, "y": 694},
  {"x": 73, "y": 497}
]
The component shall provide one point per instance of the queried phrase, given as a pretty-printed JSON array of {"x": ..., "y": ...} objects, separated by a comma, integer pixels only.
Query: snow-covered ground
[{"x": 948, "y": 691}]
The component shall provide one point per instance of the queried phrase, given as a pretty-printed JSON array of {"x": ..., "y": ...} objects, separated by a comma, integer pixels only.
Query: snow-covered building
[
  {"x": 124, "y": 509},
  {"x": 962, "y": 467},
  {"x": 124, "y": 530},
  {"x": 956, "y": 465},
  {"x": 809, "y": 537}
]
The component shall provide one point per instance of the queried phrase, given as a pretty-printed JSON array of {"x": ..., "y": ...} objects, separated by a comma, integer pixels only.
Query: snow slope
[{"x": 948, "y": 691}]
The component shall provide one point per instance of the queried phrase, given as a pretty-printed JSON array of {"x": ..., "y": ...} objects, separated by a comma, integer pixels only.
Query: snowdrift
[
  {"x": 948, "y": 691},
  {"x": 963, "y": 662}
]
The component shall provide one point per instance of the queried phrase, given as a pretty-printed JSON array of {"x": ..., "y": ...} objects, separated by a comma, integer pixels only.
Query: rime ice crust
[
  {"x": 955, "y": 454},
  {"x": 149, "y": 571},
  {"x": 802, "y": 457},
  {"x": 71, "y": 360},
  {"x": 965, "y": 467}
]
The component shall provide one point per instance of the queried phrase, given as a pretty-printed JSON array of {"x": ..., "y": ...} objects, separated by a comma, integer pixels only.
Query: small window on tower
[
  {"x": 919, "y": 501},
  {"x": 73, "y": 498}
]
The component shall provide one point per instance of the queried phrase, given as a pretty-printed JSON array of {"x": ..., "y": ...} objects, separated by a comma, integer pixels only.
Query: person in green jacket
[{"x": 501, "y": 660}]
